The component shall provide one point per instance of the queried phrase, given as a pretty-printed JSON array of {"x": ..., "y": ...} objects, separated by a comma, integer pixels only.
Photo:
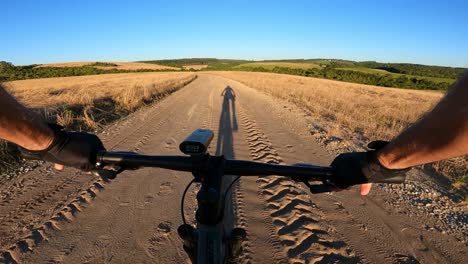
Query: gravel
[{"x": 420, "y": 196}]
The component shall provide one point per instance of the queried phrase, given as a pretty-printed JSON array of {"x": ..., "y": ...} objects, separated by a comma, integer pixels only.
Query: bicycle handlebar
[
  {"x": 230, "y": 167},
  {"x": 202, "y": 164}
]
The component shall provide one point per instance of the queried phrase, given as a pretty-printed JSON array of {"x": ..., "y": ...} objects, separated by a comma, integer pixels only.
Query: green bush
[
  {"x": 9, "y": 72},
  {"x": 415, "y": 69},
  {"x": 386, "y": 80},
  {"x": 103, "y": 64}
]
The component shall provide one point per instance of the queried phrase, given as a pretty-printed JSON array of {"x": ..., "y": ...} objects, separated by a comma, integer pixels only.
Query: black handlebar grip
[
  {"x": 398, "y": 177},
  {"x": 380, "y": 174},
  {"x": 376, "y": 173}
]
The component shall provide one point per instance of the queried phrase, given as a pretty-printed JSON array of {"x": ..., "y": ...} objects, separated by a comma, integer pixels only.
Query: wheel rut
[{"x": 296, "y": 235}]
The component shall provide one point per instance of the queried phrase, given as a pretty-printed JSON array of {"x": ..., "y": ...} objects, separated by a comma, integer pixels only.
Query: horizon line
[{"x": 243, "y": 59}]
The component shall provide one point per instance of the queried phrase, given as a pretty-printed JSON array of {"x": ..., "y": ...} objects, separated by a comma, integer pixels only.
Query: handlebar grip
[
  {"x": 376, "y": 173},
  {"x": 395, "y": 179}
]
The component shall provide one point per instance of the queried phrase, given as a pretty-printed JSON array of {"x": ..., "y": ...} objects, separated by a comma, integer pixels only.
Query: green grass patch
[{"x": 460, "y": 182}]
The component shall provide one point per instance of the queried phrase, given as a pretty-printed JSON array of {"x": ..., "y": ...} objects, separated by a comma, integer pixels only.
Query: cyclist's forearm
[
  {"x": 20, "y": 126},
  {"x": 441, "y": 134}
]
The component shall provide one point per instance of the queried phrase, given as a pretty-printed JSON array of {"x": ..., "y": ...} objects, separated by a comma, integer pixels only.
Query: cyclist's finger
[
  {"x": 58, "y": 167},
  {"x": 365, "y": 188}
]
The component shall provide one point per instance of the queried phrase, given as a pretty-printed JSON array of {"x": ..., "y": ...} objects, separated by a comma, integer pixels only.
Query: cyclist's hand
[
  {"x": 75, "y": 149},
  {"x": 364, "y": 168}
]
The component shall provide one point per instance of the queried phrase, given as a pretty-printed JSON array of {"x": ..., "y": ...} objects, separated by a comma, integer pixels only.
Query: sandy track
[{"x": 50, "y": 217}]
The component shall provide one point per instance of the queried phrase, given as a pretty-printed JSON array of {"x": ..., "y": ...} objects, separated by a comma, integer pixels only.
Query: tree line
[
  {"x": 415, "y": 69},
  {"x": 10, "y": 72},
  {"x": 386, "y": 80}
]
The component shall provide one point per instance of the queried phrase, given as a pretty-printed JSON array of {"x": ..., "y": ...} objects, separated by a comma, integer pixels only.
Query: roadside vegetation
[
  {"x": 103, "y": 64},
  {"x": 398, "y": 75},
  {"x": 10, "y": 72},
  {"x": 411, "y": 76},
  {"x": 355, "y": 109},
  {"x": 271, "y": 65},
  {"x": 346, "y": 75},
  {"x": 211, "y": 62},
  {"x": 355, "y": 114},
  {"x": 90, "y": 102}
]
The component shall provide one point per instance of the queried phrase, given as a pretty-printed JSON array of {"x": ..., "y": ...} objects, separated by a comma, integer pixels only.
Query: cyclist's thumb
[
  {"x": 58, "y": 167},
  {"x": 365, "y": 188}
]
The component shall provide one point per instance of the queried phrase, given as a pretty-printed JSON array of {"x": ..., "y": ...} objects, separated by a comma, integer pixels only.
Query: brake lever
[
  {"x": 111, "y": 173},
  {"x": 321, "y": 188},
  {"x": 324, "y": 187},
  {"x": 108, "y": 174}
]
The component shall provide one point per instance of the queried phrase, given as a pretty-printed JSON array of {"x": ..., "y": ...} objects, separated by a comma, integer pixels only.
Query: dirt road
[{"x": 70, "y": 217}]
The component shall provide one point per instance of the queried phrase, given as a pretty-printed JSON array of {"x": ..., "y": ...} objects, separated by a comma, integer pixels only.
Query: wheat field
[
  {"x": 195, "y": 67},
  {"x": 347, "y": 108},
  {"x": 120, "y": 65},
  {"x": 355, "y": 113},
  {"x": 87, "y": 102}
]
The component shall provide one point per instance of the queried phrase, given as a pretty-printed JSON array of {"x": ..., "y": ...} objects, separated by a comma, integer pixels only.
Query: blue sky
[{"x": 427, "y": 32}]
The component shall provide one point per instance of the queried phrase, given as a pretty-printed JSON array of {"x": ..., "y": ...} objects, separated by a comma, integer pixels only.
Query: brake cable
[
  {"x": 190, "y": 184},
  {"x": 227, "y": 191},
  {"x": 183, "y": 201}
]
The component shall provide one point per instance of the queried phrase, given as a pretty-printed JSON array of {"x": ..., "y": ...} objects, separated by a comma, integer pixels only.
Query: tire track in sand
[
  {"x": 140, "y": 141},
  {"x": 23, "y": 185},
  {"x": 295, "y": 232},
  {"x": 241, "y": 221},
  {"x": 38, "y": 235},
  {"x": 68, "y": 210}
]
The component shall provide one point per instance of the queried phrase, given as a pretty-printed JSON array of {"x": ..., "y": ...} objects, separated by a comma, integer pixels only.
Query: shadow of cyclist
[
  {"x": 227, "y": 124},
  {"x": 225, "y": 146}
]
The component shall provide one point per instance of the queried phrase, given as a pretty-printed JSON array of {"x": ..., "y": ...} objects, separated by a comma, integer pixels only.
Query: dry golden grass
[
  {"x": 89, "y": 101},
  {"x": 195, "y": 67},
  {"x": 120, "y": 65},
  {"x": 356, "y": 113},
  {"x": 348, "y": 108}
]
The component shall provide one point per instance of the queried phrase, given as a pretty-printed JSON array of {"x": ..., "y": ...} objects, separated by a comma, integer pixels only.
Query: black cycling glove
[
  {"x": 364, "y": 167},
  {"x": 75, "y": 149}
]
